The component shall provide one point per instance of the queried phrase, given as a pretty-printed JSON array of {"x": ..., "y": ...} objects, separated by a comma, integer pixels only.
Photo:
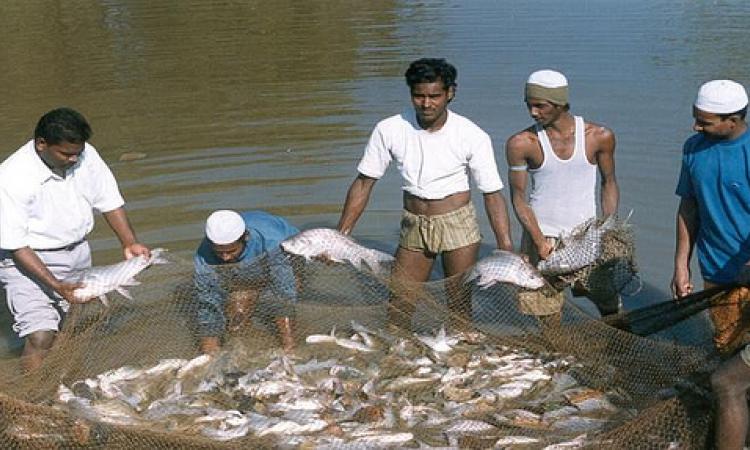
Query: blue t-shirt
[
  {"x": 717, "y": 175},
  {"x": 261, "y": 259}
]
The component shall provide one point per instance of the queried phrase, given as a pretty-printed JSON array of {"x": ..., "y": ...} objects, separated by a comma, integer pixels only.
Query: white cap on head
[
  {"x": 721, "y": 97},
  {"x": 548, "y": 79},
  {"x": 224, "y": 227}
]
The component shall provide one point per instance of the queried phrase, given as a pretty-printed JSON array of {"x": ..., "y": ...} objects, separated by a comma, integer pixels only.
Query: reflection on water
[{"x": 268, "y": 104}]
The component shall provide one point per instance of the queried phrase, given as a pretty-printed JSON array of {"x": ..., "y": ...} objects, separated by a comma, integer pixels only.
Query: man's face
[
  {"x": 229, "y": 253},
  {"x": 59, "y": 157},
  {"x": 543, "y": 112},
  {"x": 713, "y": 125},
  {"x": 430, "y": 102}
]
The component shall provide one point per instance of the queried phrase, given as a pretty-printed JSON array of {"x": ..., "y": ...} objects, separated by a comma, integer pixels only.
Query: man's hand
[
  {"x": 681, "y": 284},
  {"x": 544, "y": 249},
  {"x": 136, "y": 249},
  {"x": 66, "y": 290}
]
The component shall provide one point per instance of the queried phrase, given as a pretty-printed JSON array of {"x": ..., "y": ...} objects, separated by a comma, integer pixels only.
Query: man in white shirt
[
  {"x": 48, "y": 191},
  {"x": 434, "y": 150},
  {"x": 559, "y": 157}
]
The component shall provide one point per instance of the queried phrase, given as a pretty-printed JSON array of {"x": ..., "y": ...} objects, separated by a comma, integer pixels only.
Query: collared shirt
[
  {"x": 716, "y": 174},
  {"x": 260, "y": 260},
  {"x": 40, "y": 209},
  {"x": 433, "y": 164}
]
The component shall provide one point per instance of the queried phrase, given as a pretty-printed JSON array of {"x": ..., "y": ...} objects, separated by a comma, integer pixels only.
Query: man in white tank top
[{"x": 560, "y": 154}]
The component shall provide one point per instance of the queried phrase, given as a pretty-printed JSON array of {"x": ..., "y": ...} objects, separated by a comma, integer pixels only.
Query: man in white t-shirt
[
  {"x": 434, "y": 150},
  {"x": 48, "y": 191},
  {"x": 559, "y": 157}
]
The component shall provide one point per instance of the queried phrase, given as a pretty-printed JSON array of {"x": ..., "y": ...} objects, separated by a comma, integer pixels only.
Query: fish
[
  {"x": 440, "y": 343},
  {"x": 502, "y": 266},
  {"x": 331, "y": 244},
  {"x": 578, "y": 249},
  {"x": 350, "y": 344},
  {"x": 98, "y": 281}
]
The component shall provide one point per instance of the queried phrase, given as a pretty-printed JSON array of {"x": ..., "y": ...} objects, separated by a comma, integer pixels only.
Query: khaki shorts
[{"x": 440, "y": 233}]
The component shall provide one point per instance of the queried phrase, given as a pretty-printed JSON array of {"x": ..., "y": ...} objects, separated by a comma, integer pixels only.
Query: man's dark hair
[
  {"x": 741, "y": 113},
  {"x": 430, "y": 70},
  {"x": 63, "y": 125}
]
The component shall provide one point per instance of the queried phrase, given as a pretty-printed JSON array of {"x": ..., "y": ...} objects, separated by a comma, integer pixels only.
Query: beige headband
[{"x": 556, "y": 95}]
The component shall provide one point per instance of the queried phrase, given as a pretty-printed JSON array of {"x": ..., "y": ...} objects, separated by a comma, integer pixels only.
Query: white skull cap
[
  {"x": 548, "y": 79},
  {"x": 224, "y": 227},
  {"x": 721, "y": 97}
]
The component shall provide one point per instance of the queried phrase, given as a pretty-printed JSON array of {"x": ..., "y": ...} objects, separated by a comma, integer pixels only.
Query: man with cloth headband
[
  {"x": 49, "y": 189},
  {"x": 434, "y": 149},
  {"x": 714, "y": 216},
  {"x": 238, "y": 263},
  {"x": 560, "y": 155}
]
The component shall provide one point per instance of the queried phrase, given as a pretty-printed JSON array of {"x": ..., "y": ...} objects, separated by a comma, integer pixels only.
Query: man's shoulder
[
  {"x": 523, "y": 140},
  {"x": 694, "y": 143},
  {"x": 265, "y": 221},
  {"x": 597, "y": 130},
  {"x": 396, "y": 121},
  {"x": 15, "y": 169},
  {"x": 464, "y": 123}
]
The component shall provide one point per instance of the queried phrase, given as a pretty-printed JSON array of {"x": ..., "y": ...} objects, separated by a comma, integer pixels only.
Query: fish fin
[
  {"x": 103, "y": 299},
  {"x": 157, "y": 256},
  {"x": 333, "y": 331},
  {"x": 124, "y": 293},
  {"x": 131, "y": 282}
]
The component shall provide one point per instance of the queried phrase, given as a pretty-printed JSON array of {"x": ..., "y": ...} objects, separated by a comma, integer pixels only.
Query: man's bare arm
[
  {"x": 497, "y": 213},
  {"x": 29, "y": 261},
  {"x": 605, "y": 159},
  {"x": 516, "y": 154},
  {"x": 686, "y": 229},
  {"x": 356, "y": 202},
  {"x": 118, "y": 221}
]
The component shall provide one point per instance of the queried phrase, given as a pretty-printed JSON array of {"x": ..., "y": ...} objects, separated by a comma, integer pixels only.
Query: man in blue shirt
[
  {"x": 714, "y": 215},
  {"x": 239, "y": 259}
]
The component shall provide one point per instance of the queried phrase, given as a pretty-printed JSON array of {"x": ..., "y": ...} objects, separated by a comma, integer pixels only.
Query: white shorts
[{"x": 34, "y": 307}]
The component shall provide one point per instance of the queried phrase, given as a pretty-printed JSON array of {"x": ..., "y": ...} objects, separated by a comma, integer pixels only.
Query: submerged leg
[
  {"x": 456, "y": 262},
  {"x": 730, "y": 383}
]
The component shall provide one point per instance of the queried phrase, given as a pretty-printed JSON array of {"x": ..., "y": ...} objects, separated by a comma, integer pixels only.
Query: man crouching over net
[{"x": 237, "y": 264}]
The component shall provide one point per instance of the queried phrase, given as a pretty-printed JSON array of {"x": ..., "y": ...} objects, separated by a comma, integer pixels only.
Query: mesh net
[{"x": 377, "y": 363}]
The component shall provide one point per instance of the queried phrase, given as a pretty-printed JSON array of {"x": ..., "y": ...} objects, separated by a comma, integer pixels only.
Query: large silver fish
[
  {"x": 502, "y": 266},
  {"x": 98, "y": 281},
  {"x": 331, "y": 244},
  {"x": 581, "y": 248}
]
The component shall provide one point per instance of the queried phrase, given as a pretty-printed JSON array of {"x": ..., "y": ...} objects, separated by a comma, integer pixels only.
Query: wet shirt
[
  {"x": 41, "y": 209},
  {"x": 717, "y": 175},
  {"x": 261, "y": 260},
  {"x": 433, "y": 164}
]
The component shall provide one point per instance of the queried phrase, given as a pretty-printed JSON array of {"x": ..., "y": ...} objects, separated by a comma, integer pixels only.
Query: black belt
[{"x": 66, "y": 248}]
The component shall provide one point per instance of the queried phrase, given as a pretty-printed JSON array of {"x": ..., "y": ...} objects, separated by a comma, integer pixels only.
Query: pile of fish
[{"x": 363, "y": 388}]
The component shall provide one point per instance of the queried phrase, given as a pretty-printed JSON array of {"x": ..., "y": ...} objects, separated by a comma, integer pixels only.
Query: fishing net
[{"x": 378, "y": 362}]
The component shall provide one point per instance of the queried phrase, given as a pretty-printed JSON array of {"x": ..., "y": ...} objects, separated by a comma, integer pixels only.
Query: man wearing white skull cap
[
  {"x": 238, "y": 263},
  {"x": 553, "y": 171},
  {"x": 714, "y": 216}
]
